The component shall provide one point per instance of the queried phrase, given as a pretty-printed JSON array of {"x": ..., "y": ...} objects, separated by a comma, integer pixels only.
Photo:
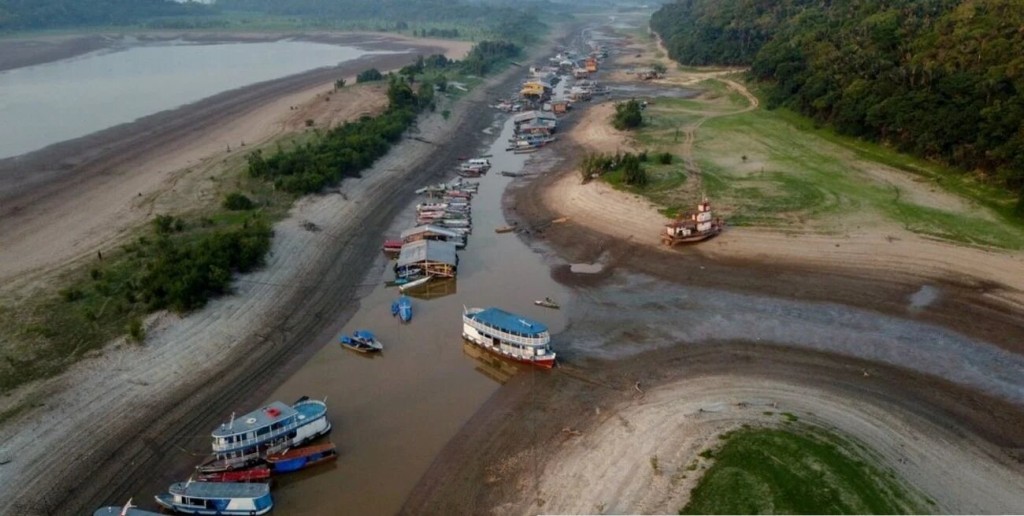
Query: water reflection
[{"x": 493, "y": 367}]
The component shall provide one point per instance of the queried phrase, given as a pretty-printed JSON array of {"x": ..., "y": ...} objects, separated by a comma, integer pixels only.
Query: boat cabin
[
  {"x": 427, "y": 258},
  {"x": 255, "y": 427},
  {"x": 218, "y": 498},
  {"x": 432, "y": 232}
]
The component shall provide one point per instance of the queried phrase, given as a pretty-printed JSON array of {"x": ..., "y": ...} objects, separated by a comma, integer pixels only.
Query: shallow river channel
[{"x": 394, "y": 412}]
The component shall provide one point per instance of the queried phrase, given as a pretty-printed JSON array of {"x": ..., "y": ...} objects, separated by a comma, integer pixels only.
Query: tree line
[
  {"x": 942, "y": 79},
  {"x": 43, "y": 14}
]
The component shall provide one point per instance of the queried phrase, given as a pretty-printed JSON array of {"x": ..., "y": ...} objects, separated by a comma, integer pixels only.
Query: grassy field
[
  {"x": 774, "y": 169},
  {"x": 797, "y": 469}
]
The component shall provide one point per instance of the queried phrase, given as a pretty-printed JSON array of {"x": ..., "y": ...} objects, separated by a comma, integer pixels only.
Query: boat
[
  {"x": 255, "y": 474},
  {"x": 392, "y": 246},
  {"x": 692, "y": 227},
  {"x": 301, "y": 458},
  {"x": 547, "y": 302},
  {"x": 402, "y": 307},
  {"x": 414, "y": 283},
  {"x": 362, "y": 341},
  {"x": 127, "y": 510},
  {"x": 217, "y": 498},
  {"x": 505, "y": 229},
  {"x": 243, "y": 442},
  {"x": 508, "y": 335},
  {"x": 506, "y": 173}
]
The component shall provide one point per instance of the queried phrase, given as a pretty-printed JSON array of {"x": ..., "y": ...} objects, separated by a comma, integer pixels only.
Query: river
[
  {"x": 393, "y": 413},
  {"x": 61, "y": 100}
]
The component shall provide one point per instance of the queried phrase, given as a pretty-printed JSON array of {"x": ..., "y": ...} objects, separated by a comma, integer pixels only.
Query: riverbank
[
  {"x": 668, "y": 349},
  {"x": 118, "y": 418}
]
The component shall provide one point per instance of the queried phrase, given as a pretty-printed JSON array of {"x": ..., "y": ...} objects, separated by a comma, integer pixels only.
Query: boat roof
[
  {"x": 220, "y": 489},
  {"x": 116, "y": 511},
  {"x": 509, "y": 321},
  {"x": 429, "y": 228},
  {"x": 429, "y": 250},
  {"x": 259, "y": 418}
]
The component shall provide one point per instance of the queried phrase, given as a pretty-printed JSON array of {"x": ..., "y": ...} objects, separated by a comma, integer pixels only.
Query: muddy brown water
[{"x": 393, "y": 413}]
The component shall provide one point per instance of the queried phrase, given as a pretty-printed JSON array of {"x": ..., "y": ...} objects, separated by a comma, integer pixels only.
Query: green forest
[
  {"x": 942, "y": 79},
  {"x": 47, "y": 14},
  {"x": 499, "y": 19}
]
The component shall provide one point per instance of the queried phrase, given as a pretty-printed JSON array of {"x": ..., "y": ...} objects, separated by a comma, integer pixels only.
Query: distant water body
[{"x": 53, "y": 102}]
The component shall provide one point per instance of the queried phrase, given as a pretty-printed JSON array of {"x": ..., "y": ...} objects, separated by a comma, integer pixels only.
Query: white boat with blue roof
[
  {"x": 245, "y": 441},
  {"x": 217, "y": 498},
  {"x": 508, "y": 335}
]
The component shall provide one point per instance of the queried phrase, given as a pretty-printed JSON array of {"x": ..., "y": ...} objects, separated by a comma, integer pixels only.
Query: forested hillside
[
  {"x": 504, "y": 20},
  {"x": 45, "y": 14},
  {"x": 943, "y": 79}
]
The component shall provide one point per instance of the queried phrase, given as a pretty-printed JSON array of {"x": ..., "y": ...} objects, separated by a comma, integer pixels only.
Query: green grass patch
[{"x": 797, "y": 470}]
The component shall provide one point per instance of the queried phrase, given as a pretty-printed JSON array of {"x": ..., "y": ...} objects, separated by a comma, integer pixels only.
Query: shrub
[
  {"x": 665, "y": 158},
  {"x": 627, "y": 115},
  {"x": 1019, "y": 210},
  {"x": 370, "y": 75},
  {"x": 238, "y": 202},
  {"x": 136, "y": 333},
  {"x": 165, "y": 224},
  {"x": 339, "y": 84}
]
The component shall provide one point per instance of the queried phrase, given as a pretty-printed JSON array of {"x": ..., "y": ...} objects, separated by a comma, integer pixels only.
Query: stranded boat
[
  {"x": 301, "y": 458},
  {"x": 256, "y": 474},
  {"x": 508, "y": 335},
  {"x": 127, "y": 510},
  {"x": 229, "y": 498},
  {"x": 362, "y": 341},
  {"x": 692, "y": 227},
  {"x": 402, "y": 307},
  {"x": 547, "y": 302},
  {"x": 244, "y": 442}
]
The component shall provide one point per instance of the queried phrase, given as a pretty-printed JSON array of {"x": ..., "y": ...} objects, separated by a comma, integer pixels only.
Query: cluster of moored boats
[{"x": 247, "y": 452}]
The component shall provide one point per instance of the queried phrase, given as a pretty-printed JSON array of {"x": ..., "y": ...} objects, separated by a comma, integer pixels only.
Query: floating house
[
  {"x": 432, "y": 232},
  {"x": 427, "y": 258}
]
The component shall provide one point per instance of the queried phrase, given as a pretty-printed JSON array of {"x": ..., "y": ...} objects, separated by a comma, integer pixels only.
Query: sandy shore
[{"x": 123, "y": 418}]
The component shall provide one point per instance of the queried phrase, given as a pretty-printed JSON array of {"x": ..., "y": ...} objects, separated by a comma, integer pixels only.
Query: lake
[{"x": 53, "y": 102}]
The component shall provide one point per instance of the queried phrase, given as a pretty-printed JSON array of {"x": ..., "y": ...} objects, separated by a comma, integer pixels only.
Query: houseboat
[
  {"x": 228, "y": 498},
  {"x": 244, "y": 442},
  {"x": 508, "y": 335},
  {"x": 692, "y": 227}
]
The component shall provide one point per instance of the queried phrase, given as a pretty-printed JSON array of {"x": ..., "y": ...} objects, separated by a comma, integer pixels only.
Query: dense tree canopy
[
  {"x": 42, "y": 14},
  {"x": 943, "y": 79}
]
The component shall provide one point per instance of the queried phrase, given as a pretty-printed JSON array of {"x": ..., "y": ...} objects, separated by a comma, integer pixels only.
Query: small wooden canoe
[
  {"x": 259, "y": 473},
  {"x": 547, "y": 302},
  {"x": 301, "y": 458},
  {"x": 504, "y": 229}
]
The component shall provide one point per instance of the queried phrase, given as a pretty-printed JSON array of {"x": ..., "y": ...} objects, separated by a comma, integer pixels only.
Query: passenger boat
[
  {"x": 215, "y": 498},
  {"x": 414, "y": 283},
  {"x": 362, "y": 341},
  {"x": 402, "y": 307},
  {"x": 508, "y": 335},
  {"x": 127, "y": 510},
  {"x": 256, "y": 474},
  {"x": 547, "y": 302},
  {"x": 244, "y": 442},
  {"x": 301, "y": 458}
]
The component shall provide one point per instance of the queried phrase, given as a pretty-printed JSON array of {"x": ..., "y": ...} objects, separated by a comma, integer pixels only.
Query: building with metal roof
[{"x": 427, "y": 258}]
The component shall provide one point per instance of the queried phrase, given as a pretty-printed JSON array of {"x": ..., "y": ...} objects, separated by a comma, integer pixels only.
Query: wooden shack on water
[{"x": 427, "y": 258}]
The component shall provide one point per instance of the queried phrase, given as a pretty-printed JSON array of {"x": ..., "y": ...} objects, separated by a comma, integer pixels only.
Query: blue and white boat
[
  {"x": 127, "y": 510},
  {"x": 302, "y": 458},
  {"x": 217, "y": 498},
  {"x": 402, "y": 307},
  {"x": 245, "y": 441},
  {"x": 508, "y": 335},
  {"x": 363, "y": 341}
]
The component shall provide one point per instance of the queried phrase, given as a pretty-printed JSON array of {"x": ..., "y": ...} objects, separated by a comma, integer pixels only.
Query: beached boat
[
  {"x": 508, "y": 335},
  {"x": 414, "y": 283},
  {"x": 362, "y": 341},
  {"x": 504, "y": 229},
  {"x": 506, "y": 173},
  {"x": 243, "y": 442},
  {"x": 402, "y": 307},
  {"x": 127, "y": 510},
  {"x": 216, "y": 498},
  {"x": 692, "y": 227},
  {"x": 547, "y": 302},
  {"x": 392, "y": 246},
  {"x": 301, "y": 458},
  {"x": 256, "y": 474}
]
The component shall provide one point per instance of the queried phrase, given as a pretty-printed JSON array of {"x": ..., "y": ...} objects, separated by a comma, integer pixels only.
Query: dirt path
[{"x": 127, "y": 418}]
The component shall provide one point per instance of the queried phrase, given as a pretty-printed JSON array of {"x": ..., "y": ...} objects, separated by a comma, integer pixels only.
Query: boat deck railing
[
  {"x": 541, "y": 341},
  {"x": 307, "y": 412}
]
